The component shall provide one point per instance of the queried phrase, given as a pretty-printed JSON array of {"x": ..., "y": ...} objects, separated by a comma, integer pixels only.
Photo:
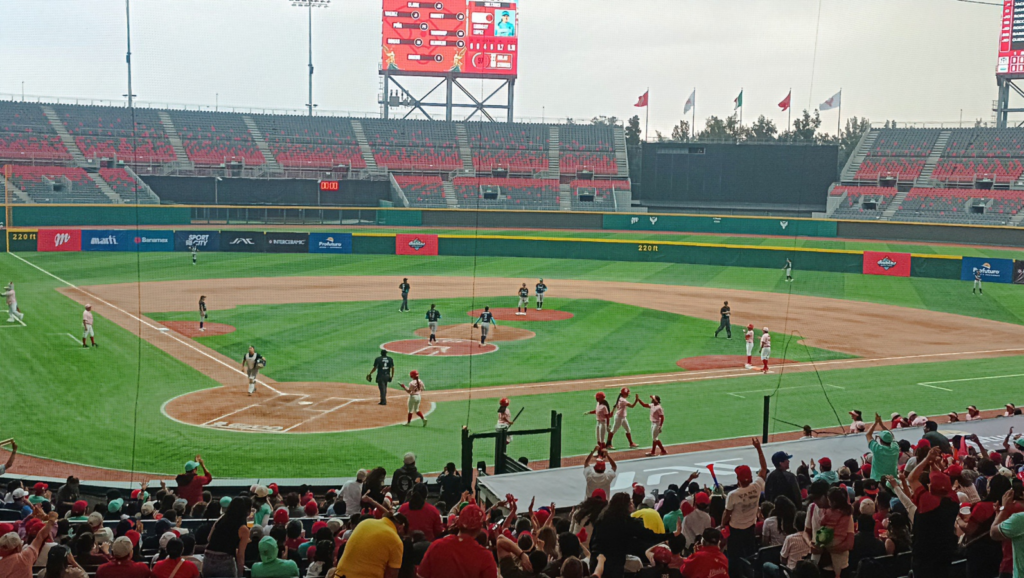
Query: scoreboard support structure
[
  {"x": 1002, "y": 105},
  {"x": 498, "y": 104}
]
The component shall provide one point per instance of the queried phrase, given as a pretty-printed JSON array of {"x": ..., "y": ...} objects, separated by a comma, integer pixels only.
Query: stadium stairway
[
  {"x": 104, "y": 188},
  {"x": 894, "y": 206},
  {"x": 859, "y": 154},
  {"x": 565, "y": 197},
  {"x": 269, "y": 161},
  {"x": 620, "y": 153},
  {"x": 172, "y": 136},
  {"x": 465, "y": 155},
  {"x": 1016, "y": 220},
  {"x": 18, "y": 194},
  {"x": 554, "y": 156},
  {"x": 925, "y": 178},
  {"x": 364, "y": 147},
  {"x": 449, "y": 192},
  {"x": 65, "y": 136}
]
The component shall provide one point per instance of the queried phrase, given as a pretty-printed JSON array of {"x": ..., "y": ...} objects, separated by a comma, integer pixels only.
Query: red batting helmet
[
  {"x": 599, "y": 396},
  {"x": 624, "y": 391},
  {"x": 750, "y": 326},
  {"x": 414, "y": 374},
  {"x": 503, "y": 402}
]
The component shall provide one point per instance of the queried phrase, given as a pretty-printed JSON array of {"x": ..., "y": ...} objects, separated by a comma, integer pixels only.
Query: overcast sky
[{"x": 910, "y": 60}]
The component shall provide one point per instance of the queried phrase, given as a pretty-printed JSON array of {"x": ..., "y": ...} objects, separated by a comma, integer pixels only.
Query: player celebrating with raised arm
[
  {"x": 621, "y": 406},
  {"x": 202, "y": 311},
  {"x": 433, "y": 316},
  {"x": 385, "y": 368},
  {"x": 252, "y": 363},
  {"x": 415, "y": 390},
  {"x": 603, "y": 411},
  {"x": 404, "y": 288},
  {"x": 766, "y": 349},
  {"x": 87, "y": 326},
  {"x": 524, "y": 300},
  {"x": 657, "y": 423},
  {"x": 541, "y": 290},
  {"x": 748, "y": 337},
  {"x": 484, "y": 322}
]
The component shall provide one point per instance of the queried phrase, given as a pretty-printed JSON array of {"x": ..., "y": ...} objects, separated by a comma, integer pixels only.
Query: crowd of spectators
[{"x": 931, "y": 509}]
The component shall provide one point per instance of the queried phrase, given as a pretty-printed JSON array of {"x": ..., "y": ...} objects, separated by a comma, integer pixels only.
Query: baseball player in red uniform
[
  {"x": 602, "y": 412},
  {"x": 766, "y": 349},
  {"x": 657, "y": 422},
  {"x": 749, "y": 339},
  {"x": 415, "y": 390},
  {"x": 619, "y": 420}
]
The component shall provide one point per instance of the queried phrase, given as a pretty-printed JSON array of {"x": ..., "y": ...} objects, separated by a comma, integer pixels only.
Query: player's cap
[
  {"x": 701, "y": 499},
  {"x": 972, "y": 408},
  {"x": 414, "y": 374},
  {"x": 503, "y": 402},
  {"x": 88, "y": 306},
  {"x": 765, "y": 329},
  {"x": 541, "y": 280},
  {"x": 855, "y": 413},
  {"x": 911, "y": 414},
  {"x": 599, "y": 396},
  {"x": 744, "y": 475},
  {"x": 656, "y": 399},
  {"x": 894, "y": 415},
  {"x": 750, "y": 326},
  {"x": 624, "y": 391},
  {"x": 1011, "y": 406}
]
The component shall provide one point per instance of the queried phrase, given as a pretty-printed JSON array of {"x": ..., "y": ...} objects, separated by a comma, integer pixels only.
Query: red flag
[
  {"x": 642, "y": 101},
  {"x": 784, "y": 105}
]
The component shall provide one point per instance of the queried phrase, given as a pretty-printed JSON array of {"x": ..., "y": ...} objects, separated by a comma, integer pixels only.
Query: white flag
[
  {"x": 833, "y": 102},
  {"x": 690, "y": 102}
]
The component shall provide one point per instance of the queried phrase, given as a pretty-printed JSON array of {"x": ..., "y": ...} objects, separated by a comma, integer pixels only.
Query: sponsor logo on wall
[
  {"x": 886, "y": 263},
  {"x": 202, "y": 240},
  {"x": 406, "y": 244},
  {"x": 243, "y": 241},
  {"x": 991, "y": 270},
  {"x": 287, "y": 242},
  {"x": 891, "y": 264},
  {"x": 59, "y": 240},
  {"x": 337, "y": 243}
]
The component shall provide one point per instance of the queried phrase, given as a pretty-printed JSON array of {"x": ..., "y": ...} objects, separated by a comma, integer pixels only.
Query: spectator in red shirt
[
  {"x": 707, "y": 561},
  {"x": 174, "y": 563},
  {"x": 122, "y": 566},
  {"x": 460, "y": 556},
  {"x": 421, "y": 515},
  {"x": 190, "y": 484}
]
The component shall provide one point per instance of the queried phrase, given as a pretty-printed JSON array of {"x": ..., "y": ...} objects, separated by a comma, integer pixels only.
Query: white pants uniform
[
  {"x": 977, "y": 283},
  {"x": 540, "y": 299},
  {"x": 12, "y": 311},
  {"x": 750, "y": 348},
  {"x": 485, "y": 328},
  {"x": 253, "y": 373},
  {"x": 602, "y": 432},
  {"x": 87, "y": 331},
  {"x": 655, "y": 430},
  {"x": 433, "y": 327},
  {"x": 524, "y": 301},
  {"x": 789, "y": 272},
  {"x": 414, "y": 403},
  {"x": 766, "y": 352},
  {"x": 620, "y": 422}
]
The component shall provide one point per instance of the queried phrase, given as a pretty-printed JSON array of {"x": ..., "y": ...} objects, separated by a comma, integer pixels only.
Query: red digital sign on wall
[
  {"x": 462, "y": 37},
  {"x": 1011, "y": 39}
]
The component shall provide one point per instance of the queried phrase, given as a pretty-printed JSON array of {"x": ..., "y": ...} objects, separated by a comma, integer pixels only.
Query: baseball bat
[
  {"x": 6, "y": 441},
  {"x": 518, "y": 414}
]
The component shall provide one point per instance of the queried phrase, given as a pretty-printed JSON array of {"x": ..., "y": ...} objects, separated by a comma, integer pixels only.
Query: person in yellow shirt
[
  {"x": 650, "y": 517},
  {"x": 375, "y": 548}
]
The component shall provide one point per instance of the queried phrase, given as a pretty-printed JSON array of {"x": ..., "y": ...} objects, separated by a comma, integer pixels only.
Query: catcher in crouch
[{"x": 252, "y": 363}]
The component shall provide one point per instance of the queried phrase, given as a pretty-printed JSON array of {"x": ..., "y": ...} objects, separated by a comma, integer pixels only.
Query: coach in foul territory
[{"x": 385, "y": 368}]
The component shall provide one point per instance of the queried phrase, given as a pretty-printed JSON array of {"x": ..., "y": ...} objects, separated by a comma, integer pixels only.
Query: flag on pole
[
  {"x": 738, "y": 101},
  {"x": 834, "y": 102},
  {"x": 784, "y": 105},
  {"x": 642, "y": 101},
  {"x": 690, "y": 102}
]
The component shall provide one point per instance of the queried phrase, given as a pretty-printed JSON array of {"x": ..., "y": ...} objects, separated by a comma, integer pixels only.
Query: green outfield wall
[
  {"x": 97, "y": 216},
  {"x": 722, "y": 225}
]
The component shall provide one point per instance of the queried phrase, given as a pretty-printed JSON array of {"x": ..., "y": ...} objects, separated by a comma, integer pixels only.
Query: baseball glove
[
  {"x": 261, "y": 363},
  {"x": 369, "y": 378},
  {"x": 474, "y": 326}
]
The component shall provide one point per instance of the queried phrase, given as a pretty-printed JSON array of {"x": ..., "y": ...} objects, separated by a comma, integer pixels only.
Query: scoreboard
[
  {"x": 468, "y": 37},
  {"x": 1011, "y": 39}
]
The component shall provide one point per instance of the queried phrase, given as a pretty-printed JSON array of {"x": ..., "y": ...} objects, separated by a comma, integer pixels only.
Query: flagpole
[
  {"x": 693, "y": 111},
  {"x": 839, "y": 121},
  {"x": 741, "y": 106},
  {"x": 789, "y": 122},
  {"x": 647, "y": 115}
]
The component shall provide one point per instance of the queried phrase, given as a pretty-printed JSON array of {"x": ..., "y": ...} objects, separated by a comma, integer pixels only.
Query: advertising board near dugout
[
  {"x": 992, "y": 270},
  {"x": 891, "y": 264},
  {"x": 108, "y": 240},
  {"x": 335, "y": 243}
]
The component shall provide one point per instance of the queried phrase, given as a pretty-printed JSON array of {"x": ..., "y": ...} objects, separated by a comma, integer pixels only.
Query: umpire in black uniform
[
  {"x": 725, "y": 322},
  {"x": 385, "y": 368}
]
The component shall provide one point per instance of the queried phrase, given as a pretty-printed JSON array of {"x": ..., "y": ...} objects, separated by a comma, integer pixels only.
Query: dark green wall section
[
  {"x": 400, "y": 218},
  {"x": 935, "y": 268},
  {"x": 363, "y": 245},
  {"x": 724, "y": 225},
  {"x": 96, "y": 216}
]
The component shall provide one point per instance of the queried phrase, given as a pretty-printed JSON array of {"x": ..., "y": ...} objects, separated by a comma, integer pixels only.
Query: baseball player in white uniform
[
  {"x": 415, "y": 390},
  {"x": 602, "y": 412},
  {"x": 87, "y": 326},
  {"x": 619, "y": 420},
  {"x": 657, "y": 423},
  {"x": 12, "y": 304},
  {"x": 252, "y": 363},
  {"x": 748, "y": 338},
  {"x": 766, "y": 349},
  {"x": 788, "y": 267}
]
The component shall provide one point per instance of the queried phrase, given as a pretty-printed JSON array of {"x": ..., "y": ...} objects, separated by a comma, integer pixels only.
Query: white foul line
[
  {"x": 233, "y": 413},
  {"x": 934, "y": 387},
  {"x": 305, "y": 421},
  {"x": 972, "y": 379},
  {"x": 139, "y": 319},
  {"x": 73, "y": 338}
]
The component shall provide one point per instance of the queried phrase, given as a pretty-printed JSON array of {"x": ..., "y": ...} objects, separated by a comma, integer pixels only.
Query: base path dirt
[
  {"x": 852, "y": 327},
  {"x": 440, "y": 347},
  {"x": 191, "y": 328},
  {"x": 509, "y": 314},
  {"x": 468, "y": 332},
  {"x": 725, "y": 362}
]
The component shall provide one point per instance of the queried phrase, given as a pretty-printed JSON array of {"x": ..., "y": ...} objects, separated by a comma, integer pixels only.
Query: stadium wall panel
[
  {"x": 722, "y": 225},
  {"x": 290, "y": 192},
  {"x": 512, "y": 219},
  {"x": 935, "y": 268},
  {"x": 400, "y": 218},
  {"x": 373, "y": 244},
  {"x": 959, "y": 234},
  {"x": 98, "y": 216}
]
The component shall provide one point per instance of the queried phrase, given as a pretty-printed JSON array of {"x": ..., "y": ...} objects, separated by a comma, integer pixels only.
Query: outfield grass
[{"x": 102, "y": 406}]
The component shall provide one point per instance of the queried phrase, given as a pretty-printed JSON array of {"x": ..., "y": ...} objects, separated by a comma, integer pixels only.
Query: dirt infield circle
[
  {"x": 509, "y": 314},
  {"x": 726, "y": 362},
  {"x": 440, "y": 348},
  {"x": 191, "y": 328},
  {"x": 467, "y": 332}
]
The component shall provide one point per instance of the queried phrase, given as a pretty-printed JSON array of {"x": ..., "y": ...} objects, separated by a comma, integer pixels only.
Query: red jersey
[
  {"x": 708, "y": 562},
  {"x": 123, "y": 569},
  {"x": 457, "y": 557}
]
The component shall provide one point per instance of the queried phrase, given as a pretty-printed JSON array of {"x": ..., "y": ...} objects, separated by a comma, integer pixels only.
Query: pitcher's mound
[
  {"x": 509, "y": 314},
  {"x": 466, "y": 331},
  {"x": 191, "y": 328},
  {"x": 443, "y": 347},
  {"x": 725, "y": 362}
]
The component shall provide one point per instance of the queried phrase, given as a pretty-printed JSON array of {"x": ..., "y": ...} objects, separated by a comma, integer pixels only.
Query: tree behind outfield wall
[
  {"x": 681, "y": 132},
  {"x": 763, "y": 130},
  {"x": 633, "y": 131},
  {"x": 804, "y": 129}
]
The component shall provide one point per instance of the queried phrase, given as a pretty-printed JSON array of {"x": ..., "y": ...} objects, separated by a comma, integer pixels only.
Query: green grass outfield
[{"x": 102, "y": 406}]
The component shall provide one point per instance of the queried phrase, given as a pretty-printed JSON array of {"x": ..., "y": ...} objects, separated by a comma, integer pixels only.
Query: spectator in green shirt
[
  {"x": 271, "y": 566},
  {"x": 885, "y": 453}
]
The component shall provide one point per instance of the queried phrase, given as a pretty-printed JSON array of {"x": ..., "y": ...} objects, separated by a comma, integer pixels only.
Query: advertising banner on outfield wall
[
  {"x": 287, "y": 242},
  {"x": 892, "y": 264},
  {"x": 108, "y": 240},
  {"x": 415, "y": 244},
  {"x": 1018, "y": 272},
  {"x": 151, "y": 241},
  {"x": 337, "y": 243},
  {"x": 992, "y": 270},
  {"x": 203, "y": 240},
  {"x": 59, "y": 240},
  {"x": 243, "y": 241}
]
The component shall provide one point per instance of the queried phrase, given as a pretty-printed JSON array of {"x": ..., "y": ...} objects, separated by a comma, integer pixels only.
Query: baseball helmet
[
  {"x": 414, "y": 374},
  {"x": 624, "y": 391},
  {"x": 765, "y": 330},
  {"x": 503, "y": 402},
  {"x": 599, "y": 396},
  {"x": 750, "y": 326}
]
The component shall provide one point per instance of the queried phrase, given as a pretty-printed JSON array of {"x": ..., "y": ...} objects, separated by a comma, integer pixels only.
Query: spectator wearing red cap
[
  {"x": 697, "y": 519},
  {"x": 741, "y": 507},
  {"x": 16, "y": 559},
  {"x": 40, "y": 493},
  {"x": 311, "y": 509},
  {"x": 934, "y": 523},
  {"x": 460, "y": 555},
  {"x": 421, "y": 515},
  {"x": 826, "y": 473},
  {"x": 190, "y": 484},
  {"x": 599, "y": 474},
  {"x": 707, "y": 560}
]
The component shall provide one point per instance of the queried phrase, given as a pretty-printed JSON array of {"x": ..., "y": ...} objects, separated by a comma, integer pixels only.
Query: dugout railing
[{"x": 503, "y": 464}]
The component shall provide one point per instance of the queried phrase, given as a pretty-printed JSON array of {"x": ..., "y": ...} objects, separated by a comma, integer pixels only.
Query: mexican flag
[{"x": 738, "y": 101}]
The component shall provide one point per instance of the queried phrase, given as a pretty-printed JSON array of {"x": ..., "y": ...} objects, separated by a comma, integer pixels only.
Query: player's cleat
[
  {"x": 748, "y": 366},
  {"x": 633, "y": 446},
  {"x": 424, "y": 422},
  {"x": 202, "y": 329},
  {"x": 85, "y": 346},
  {"x": 95, "y": 345}
]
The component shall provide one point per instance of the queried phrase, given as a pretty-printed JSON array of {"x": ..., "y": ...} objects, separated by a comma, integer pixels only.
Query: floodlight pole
[
  {"x": 310, "y": 105},
  {"x": 128, "y": 56}
]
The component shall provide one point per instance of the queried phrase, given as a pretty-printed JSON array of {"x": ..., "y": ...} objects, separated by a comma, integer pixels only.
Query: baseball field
[{"x": 156, "y": 391}]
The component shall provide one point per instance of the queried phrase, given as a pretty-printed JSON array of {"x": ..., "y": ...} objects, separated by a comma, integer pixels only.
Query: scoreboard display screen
[
  {"x": 1011, "y": 39},
  {"x": 470, "y": 37}
]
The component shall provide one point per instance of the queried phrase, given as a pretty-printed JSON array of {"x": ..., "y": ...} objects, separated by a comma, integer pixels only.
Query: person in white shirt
[
  {"x": 598, "y": 474},
  {"x": 766, "y": 349},
  {"x": 87, "y": 326},
  {"x": 916, "y": 420},
  {"x": 13, "y": 314},
  {"x": 741, "y": 507},
  {"x": 857, "y": 426},
  {"x": 748, "y": 338},
  {"x": 352, "y": 493},
  {"x": 10, "y": 460}
]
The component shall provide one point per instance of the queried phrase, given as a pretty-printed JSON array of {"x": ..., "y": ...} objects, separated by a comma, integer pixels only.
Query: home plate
[{"x": 441, "y": 348}]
